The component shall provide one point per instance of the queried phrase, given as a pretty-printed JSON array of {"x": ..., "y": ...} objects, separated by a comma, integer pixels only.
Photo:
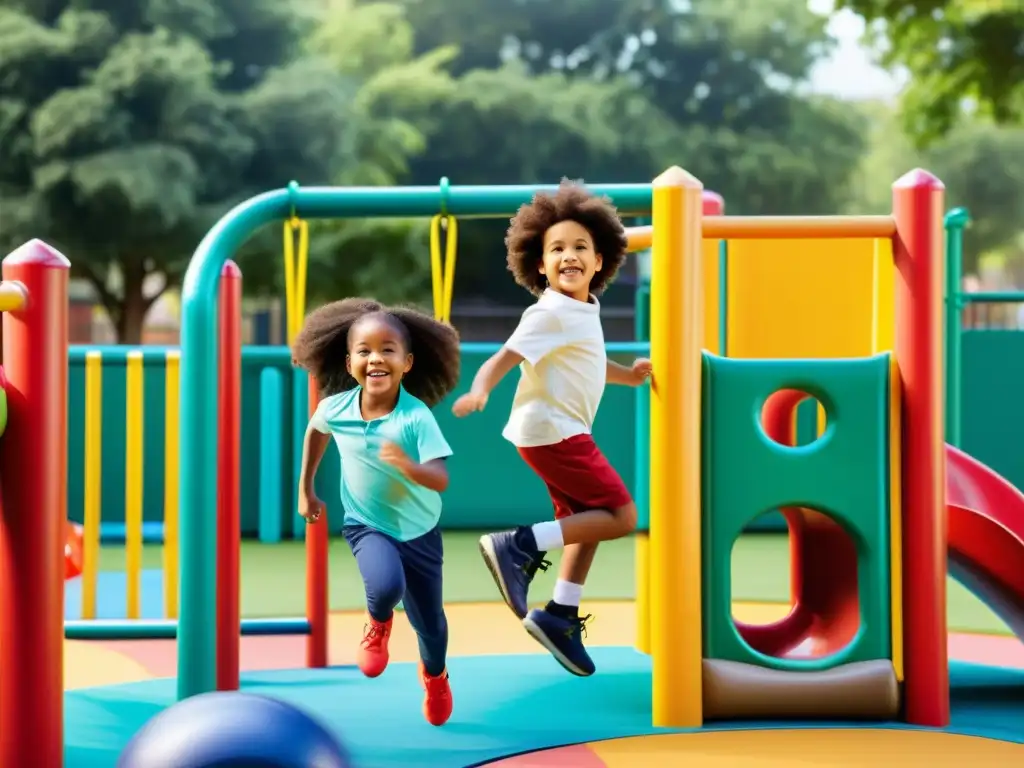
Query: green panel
[
  {"x": 154, "y": 431},
  {"x": 76, "y": 441},
  {"x": 844, "y": 474},
  {"x": 992, "y": 410},
  {"x": 250, "y": 413}
]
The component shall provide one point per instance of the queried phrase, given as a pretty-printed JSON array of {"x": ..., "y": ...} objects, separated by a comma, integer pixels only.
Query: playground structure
[
  {"x": 866, "y": 503},
  {"x": 686, "y": 571}
]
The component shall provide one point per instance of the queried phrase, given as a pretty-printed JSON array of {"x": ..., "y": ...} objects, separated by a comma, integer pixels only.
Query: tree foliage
[
  {"x": 981, "y": 165},
  {"x": 617, "y": 90},
  {"x": 127, "y": 128},
  {"x": 961, "y": 55}
]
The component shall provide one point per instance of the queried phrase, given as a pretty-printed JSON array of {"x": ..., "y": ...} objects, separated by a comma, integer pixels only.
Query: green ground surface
[{"x": 273, "y": 577}]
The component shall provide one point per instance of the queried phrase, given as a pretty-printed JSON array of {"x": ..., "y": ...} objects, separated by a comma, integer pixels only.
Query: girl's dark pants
[{"x": 410, "y": 572}]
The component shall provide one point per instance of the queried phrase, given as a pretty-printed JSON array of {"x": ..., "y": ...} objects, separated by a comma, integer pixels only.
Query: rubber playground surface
[{"x": 514, "y": 706}]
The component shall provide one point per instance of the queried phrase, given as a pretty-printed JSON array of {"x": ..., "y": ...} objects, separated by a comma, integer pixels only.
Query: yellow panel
[
  {"x": 804, "y": 298},
  {"x": 711, "y": 295},
  {"x": 884, "y": 328}
]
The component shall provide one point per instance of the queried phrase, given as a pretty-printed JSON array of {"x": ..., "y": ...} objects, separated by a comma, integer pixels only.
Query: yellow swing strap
[
  {"x": 296, "y": 262},
  {"x": 443, "y": 274}
]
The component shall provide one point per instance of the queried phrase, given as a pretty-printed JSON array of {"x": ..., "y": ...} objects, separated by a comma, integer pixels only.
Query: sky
[{"x": 849, "y": 72}]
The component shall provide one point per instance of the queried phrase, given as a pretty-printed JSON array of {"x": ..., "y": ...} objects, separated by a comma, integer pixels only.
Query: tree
[
  {"x": 981, "y": 165},
  {"x": 617, "y": 90},
  {"x": 393, "y": 101},
  {"x": 126, "y": 129},
  {"x": 962, "y": 55}
]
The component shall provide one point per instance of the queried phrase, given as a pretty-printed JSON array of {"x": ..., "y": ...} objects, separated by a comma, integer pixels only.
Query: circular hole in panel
[{"x": 793, "y": 418}]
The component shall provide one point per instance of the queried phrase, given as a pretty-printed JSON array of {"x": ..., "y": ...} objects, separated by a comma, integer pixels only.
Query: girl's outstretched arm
[
  {"x": 313, "y": 447},
  {"x": 432, "y": 475}
]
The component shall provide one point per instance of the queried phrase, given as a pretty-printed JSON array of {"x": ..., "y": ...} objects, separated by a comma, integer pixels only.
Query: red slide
[{"x": 986, "y": 536}]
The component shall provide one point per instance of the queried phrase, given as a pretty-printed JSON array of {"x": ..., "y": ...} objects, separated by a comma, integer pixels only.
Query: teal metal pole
[
  {"x": 642, "y": 448},
  {"x": 271, "y": 463},
  {"x": 299, "y": 421},
  {"x": 723, "y": 298},
  {"x": 198, "y": 495},
  {"x": 955, "y": 222}
]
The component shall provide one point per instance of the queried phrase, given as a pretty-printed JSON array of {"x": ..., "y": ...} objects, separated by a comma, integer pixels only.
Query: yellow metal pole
[
  {"x": 677, "y": 332},
  {"x": 642, "y": 566},
  {"x": 93, "y": 475},
  {"x": 133, "y": 484},
  {"x": 172, "y": 475}
]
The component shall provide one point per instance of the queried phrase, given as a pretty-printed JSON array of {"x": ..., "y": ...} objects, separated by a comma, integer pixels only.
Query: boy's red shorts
[{"x": 577, "y": 475}]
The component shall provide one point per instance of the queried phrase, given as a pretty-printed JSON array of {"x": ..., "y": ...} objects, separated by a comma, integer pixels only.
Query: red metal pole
[
  {"x": 33, "y": 467},
  {"x": 918, "y": 199},
  {"x": 712, "y": 204},
  {"x": 317, "y": 539},
  {"x": 229, "y": 488}
]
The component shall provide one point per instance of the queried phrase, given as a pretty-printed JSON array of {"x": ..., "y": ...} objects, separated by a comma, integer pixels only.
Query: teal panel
[{"x": 992, "y": 411}]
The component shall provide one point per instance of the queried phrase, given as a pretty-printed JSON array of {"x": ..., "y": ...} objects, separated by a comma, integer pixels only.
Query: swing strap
[
  {"x": 443, "y": 274},
  {"x": 296, "y": 262}
]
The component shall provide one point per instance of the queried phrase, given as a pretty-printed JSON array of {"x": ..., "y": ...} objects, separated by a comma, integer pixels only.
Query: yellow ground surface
[{"x": 825, "y": 748}]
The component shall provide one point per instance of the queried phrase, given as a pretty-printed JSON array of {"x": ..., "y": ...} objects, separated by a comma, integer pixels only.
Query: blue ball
[{"x": 230, "y": 730}]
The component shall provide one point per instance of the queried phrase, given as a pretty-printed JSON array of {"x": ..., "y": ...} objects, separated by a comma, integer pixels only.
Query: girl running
[{"x": 380, "y": 370}]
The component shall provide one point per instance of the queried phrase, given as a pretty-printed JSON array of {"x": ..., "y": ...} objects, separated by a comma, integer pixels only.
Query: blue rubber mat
[
  {"x": 503, "y": 705},
  {"x": 112, "y": 596}
]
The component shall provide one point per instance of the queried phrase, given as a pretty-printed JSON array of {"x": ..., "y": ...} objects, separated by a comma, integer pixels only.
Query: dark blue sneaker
[
  {"x": 513, "y": 563},
  {"x": 563, "y": 637}
]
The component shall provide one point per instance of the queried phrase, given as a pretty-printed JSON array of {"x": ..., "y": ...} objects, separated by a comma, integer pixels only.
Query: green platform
[{"x": 843, "y": 474}]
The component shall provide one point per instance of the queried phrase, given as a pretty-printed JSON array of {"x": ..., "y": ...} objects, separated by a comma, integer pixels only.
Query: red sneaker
[
  {"x": 372, "y": 656},
  {"x": 437, "y": 704}
]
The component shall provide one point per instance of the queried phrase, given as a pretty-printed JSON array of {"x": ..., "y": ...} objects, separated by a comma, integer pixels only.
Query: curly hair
[
  {"x": 322, "y": 346},
  {"x": 570, "y": 202}
]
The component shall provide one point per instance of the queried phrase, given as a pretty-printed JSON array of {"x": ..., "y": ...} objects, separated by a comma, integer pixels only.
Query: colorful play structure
[{"x": 867, "y": 501}]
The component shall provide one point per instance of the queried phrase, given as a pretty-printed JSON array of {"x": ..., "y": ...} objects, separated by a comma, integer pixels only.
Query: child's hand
[
  {"x": 310, "y": 507},
  {"x": 468, "y": 403},
  {"x": 391, "y": 454},
  {"x": 642, "y": 370}
]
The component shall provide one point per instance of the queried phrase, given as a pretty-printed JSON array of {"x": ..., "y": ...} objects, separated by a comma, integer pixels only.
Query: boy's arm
[
  {"x": 619, "y": 374},
  {"x": 494, "y": 370},
  {"x": 313, "y": 447},
  {"x": 538, "y": 333},
  {"x": 633, "y": 376}
]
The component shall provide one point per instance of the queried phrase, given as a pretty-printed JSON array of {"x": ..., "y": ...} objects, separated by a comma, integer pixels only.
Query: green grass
[{"x": 273, "y": 577}]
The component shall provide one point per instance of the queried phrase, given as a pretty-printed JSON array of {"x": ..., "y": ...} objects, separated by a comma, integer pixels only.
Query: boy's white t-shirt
[{"x": 563, "y": 370}]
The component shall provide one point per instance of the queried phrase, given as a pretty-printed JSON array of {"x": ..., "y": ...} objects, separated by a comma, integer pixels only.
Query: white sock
[
  {"x": 567, "y": 593},
  {"x": 548, "y": 535}
]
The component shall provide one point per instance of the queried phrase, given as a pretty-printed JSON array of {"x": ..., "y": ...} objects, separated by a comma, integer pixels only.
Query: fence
[{"x": 490, "y": 485}]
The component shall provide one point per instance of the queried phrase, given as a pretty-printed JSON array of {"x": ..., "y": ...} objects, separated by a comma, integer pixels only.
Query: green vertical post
[
  {"x": 642, "y": 332},
  {"x": 299, "y": 421},
  {"x": 723, "y": 298},
  {"x": 642, "y": 400},
  {"x": 271, "y": 437},
  {"x": 955, "y": 222}
]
